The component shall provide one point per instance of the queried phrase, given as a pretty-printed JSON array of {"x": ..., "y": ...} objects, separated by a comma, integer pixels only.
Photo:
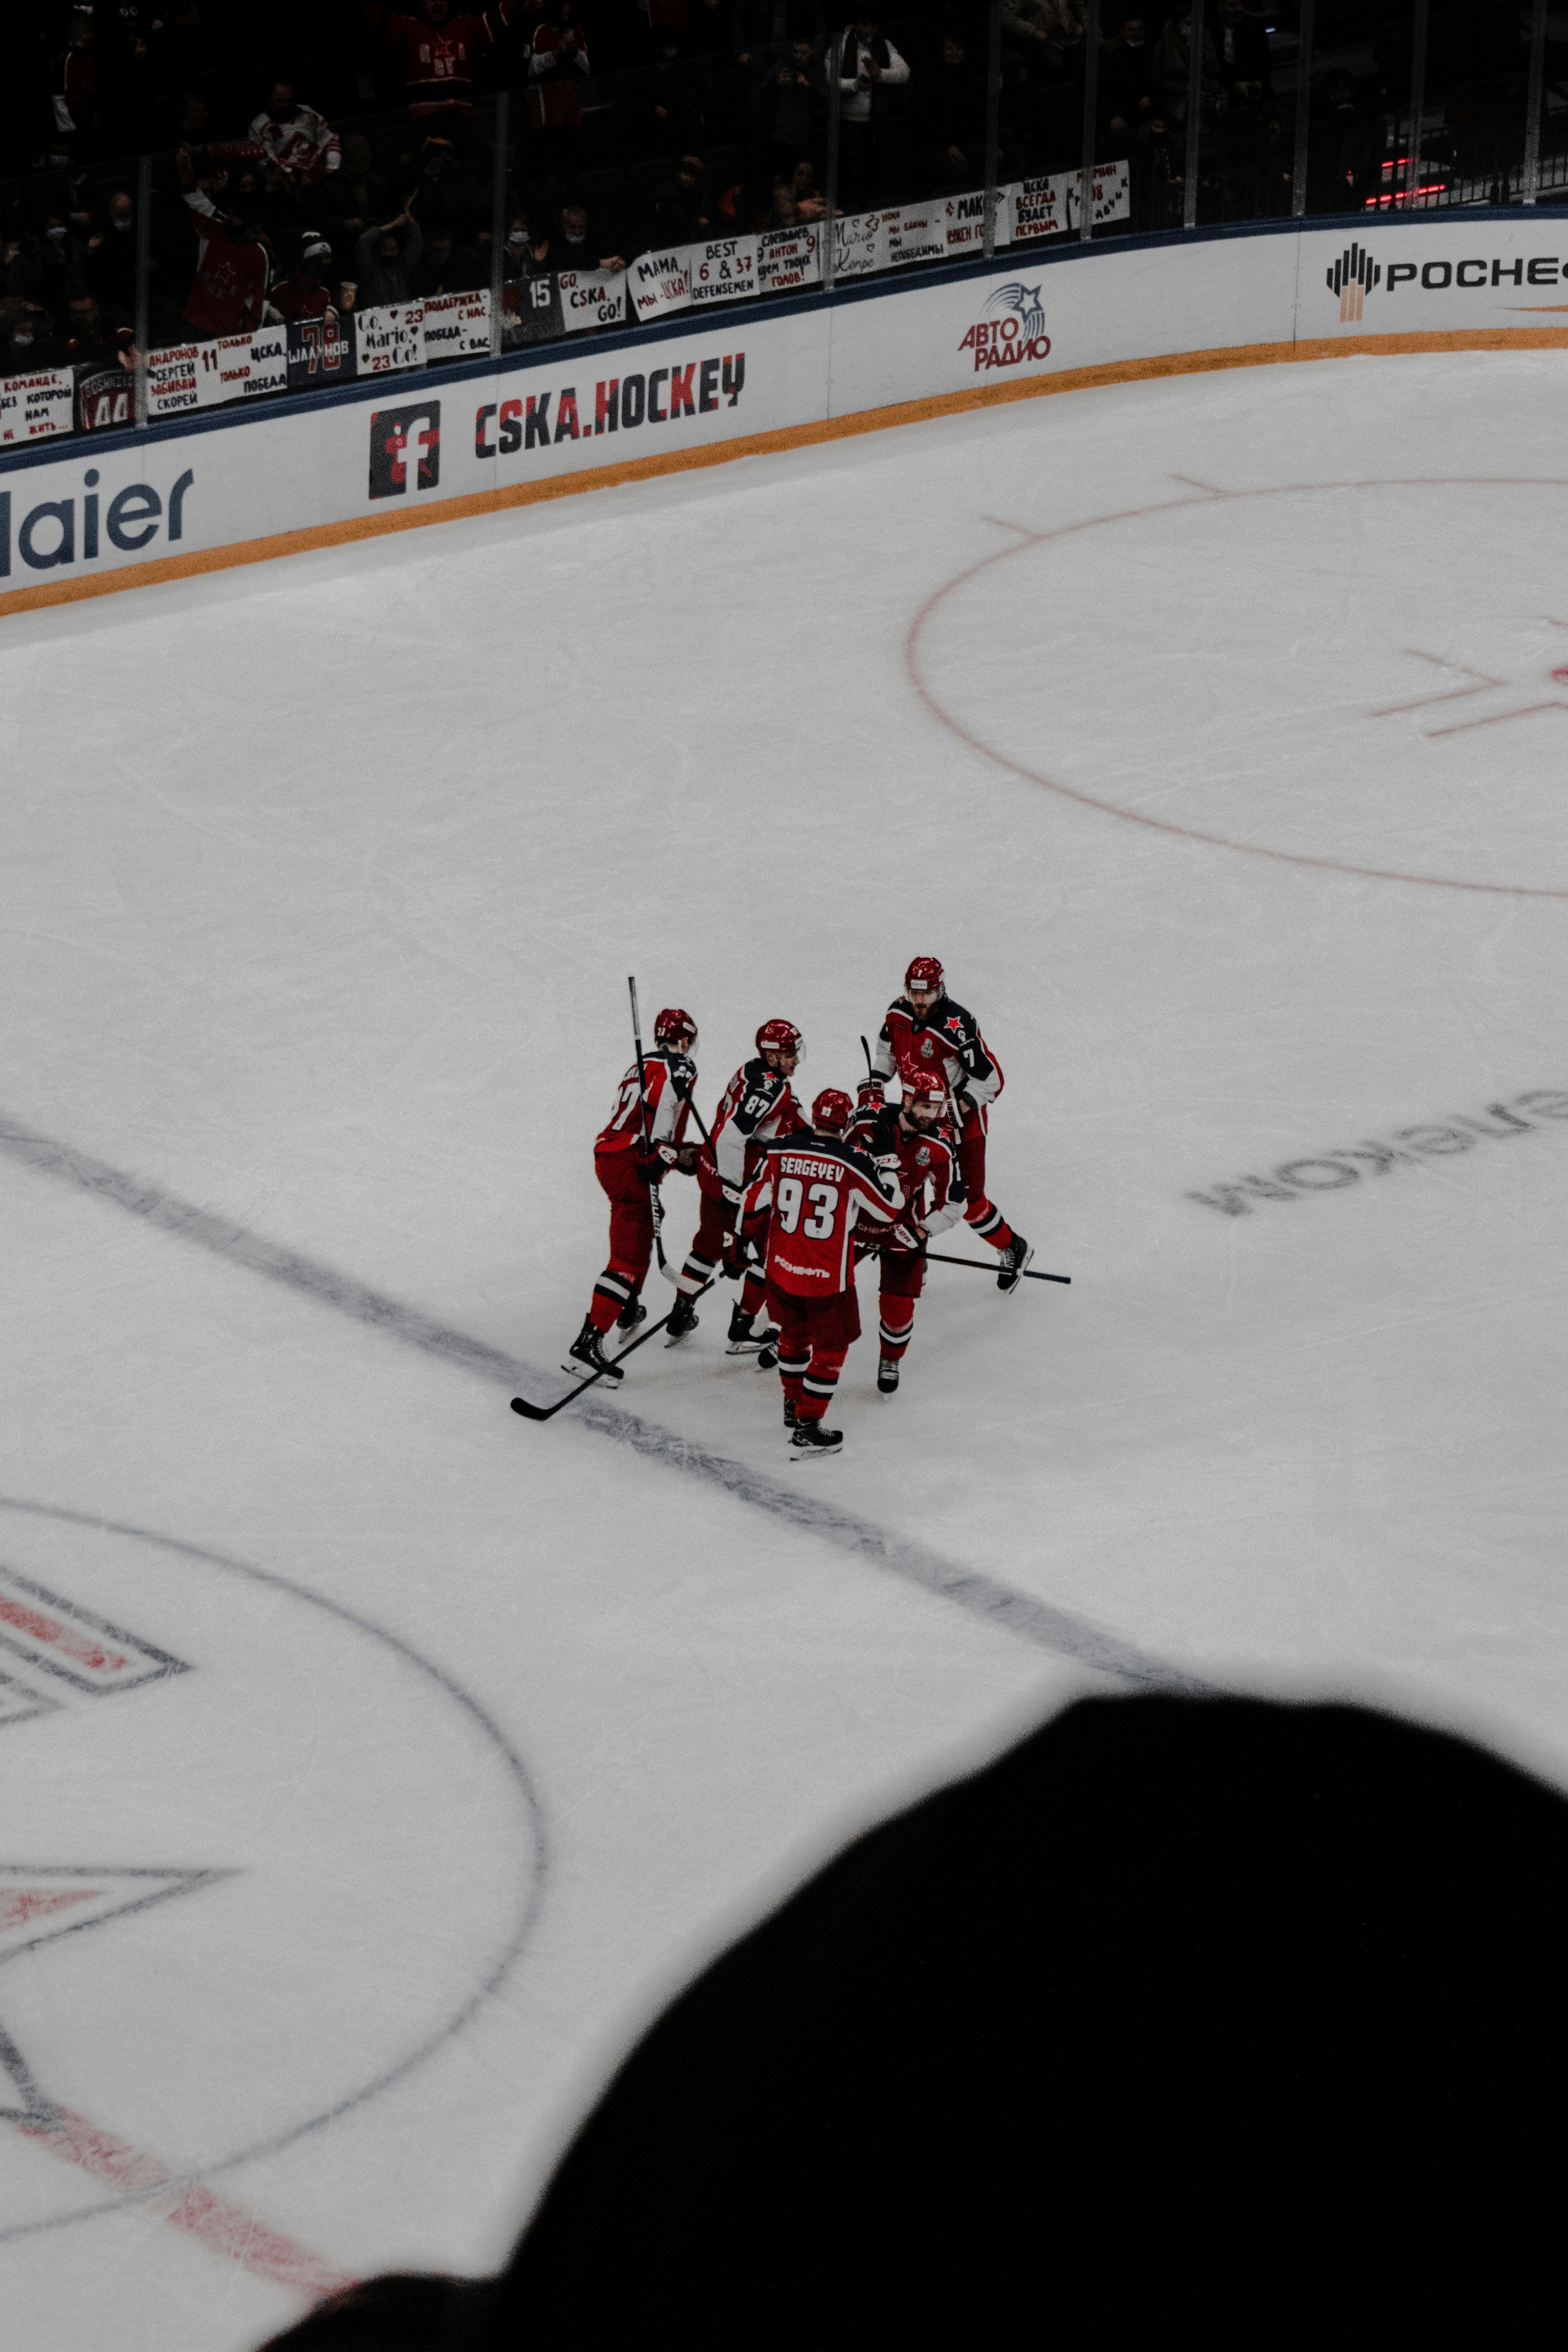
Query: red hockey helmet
[
  {"x": 832, "y": 1110},
  {"x": 778, "y": 1037},
  {"x": 922, "y": 1085},
  {"x": 925, "y": 971},
  {"x": 672, "y": 1025}
]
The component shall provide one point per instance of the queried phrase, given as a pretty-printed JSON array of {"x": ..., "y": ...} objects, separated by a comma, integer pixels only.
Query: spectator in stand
[
  {"x": 677, "y": 211},
  {"x": 295, "y": 138},
  {"x": 306, "y": 292},
  {"x": 1345, "y": 149},
  {"x": 111, "y": 261},
  {"x": 387, "y": 258},
  {"x": 352, "y": 198},
  {"x": 1046, "y": 29},
  {"x": 868, "y": 66},
  {"x": 950, "y": 120},
  {"x": 558, "y": 62},
  {"x": 1127, "y": 85},
  {"x": 792, "y": 105},
  {"x": 572, "y": 244},
  {"x": 806, "y": 200},
  {"x": 445, "y": 195},
  {"x": 441, "y": 54},
  {"x": 1172, "y": 53},
  {"x": 86, "y": 342},
  {"x": 73, "y": 94},
  {"x": 228, "y": 292},
  {"x": 447, "y": 266},
  {"x": 27, "y": 335},
  {"x": 761, "y": 28},
  {"x": 1246, "y": 67}
]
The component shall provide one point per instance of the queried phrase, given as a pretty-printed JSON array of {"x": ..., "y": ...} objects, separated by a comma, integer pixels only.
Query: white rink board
[{"x": 729, "y": 378}]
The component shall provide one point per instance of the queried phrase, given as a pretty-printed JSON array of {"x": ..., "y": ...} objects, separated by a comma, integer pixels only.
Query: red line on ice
[{"x": 219, "y": 2224}]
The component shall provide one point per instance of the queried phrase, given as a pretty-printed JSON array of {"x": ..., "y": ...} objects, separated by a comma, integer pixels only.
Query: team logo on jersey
[
  {"x": 954, "y": 1024},
  {"x": 926, "y": 1048},
  {"x": 405, "y": 439},
  {"x": 923, "y": 1157}
]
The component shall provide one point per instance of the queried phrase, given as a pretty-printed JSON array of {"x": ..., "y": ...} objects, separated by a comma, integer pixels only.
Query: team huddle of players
[{"x": 789, "y": 1201}]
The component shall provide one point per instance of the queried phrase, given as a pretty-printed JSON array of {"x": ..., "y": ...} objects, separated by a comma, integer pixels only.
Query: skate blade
[
  {"x": 680, "y": 1338},
  {"x": 581, "y": 1372}
]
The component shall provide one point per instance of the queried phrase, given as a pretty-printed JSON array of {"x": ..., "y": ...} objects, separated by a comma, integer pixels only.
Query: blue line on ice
[{"x": 984, "y": 1596}]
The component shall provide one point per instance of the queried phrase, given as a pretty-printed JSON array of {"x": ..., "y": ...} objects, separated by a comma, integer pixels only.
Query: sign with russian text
[
  {"x": 658, "y": 283},
  {"x": 33, "y": 406}
]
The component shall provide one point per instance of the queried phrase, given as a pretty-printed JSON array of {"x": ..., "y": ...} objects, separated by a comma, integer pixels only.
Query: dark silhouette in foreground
[{"x": 1201, "y": 2010}]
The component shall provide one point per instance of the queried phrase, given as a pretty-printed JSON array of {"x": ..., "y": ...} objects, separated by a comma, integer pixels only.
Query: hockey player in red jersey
[
  {"x": 813, "y": 1191},
  {"x": 926, "y": 1030},
  {"x": 915, "y": 1139},
  {"x": 632, "y": 1156},
  {"x": 758, "y": 1106}
]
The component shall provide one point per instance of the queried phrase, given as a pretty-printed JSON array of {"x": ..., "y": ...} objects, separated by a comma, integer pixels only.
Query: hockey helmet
[
  {"x": 920, "y": 1085},
  {"x": 779, "y": 1038},
  {"x": 926, "y": 973},
  {"x": 672, "y": 1025},
  {"x": 833, "y": 1112}
]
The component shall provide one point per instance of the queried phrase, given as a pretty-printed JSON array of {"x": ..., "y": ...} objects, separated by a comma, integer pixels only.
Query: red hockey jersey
[
  {"x": 927, "y": 1161},
  {"x": 948, "y": 1041},
  {"x": 758, "y": 1106},
  {"x": 818, "y": 1191},
  {"x": 669, "y": 1079}
]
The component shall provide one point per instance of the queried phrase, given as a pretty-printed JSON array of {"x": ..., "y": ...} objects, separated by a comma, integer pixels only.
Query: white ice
[{"x": 323, "y": 881}]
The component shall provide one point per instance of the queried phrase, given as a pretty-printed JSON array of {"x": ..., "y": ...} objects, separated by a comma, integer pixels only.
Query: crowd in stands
[{"x": 345, "y": 155}]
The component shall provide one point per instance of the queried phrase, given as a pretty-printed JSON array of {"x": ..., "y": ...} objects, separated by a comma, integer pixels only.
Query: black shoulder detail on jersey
[
  {"x": 900, "y": 1004},
  {"x": 763, "y": 1089}
]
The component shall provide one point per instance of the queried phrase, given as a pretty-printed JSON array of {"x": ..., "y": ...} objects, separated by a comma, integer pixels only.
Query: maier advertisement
[{"x": 438, "y": 443}]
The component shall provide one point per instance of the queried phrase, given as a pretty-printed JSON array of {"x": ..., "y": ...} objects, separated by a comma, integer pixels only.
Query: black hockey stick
[
  {"x": 654, "y": 1203},
  {"x": 978, "y": 1265},
  {"x": 547, "y": 1412}
]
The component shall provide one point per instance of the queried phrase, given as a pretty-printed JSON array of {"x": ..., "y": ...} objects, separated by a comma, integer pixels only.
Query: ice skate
[
  {"x": 683, "y": 1318},
  {"x": 886, "y": 1376},
  {"x": 789, "y": 1412},
  {"x": 768, "y": 1361},
  {"x": 631, "y": 1316},
  {"x": 1013, "y": 1260},
  {"x": 811, "y": 1440},
  {"x": 744, "y": 1338},
  {"x": 587, "y": 1354}
]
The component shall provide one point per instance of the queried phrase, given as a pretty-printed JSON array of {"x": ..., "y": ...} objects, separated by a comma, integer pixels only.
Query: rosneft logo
[{"x": 1352, "y": 277}]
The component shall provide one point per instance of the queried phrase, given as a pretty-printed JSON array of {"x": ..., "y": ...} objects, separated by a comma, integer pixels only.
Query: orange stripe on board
[
  {"x": 217, "y": 2223},
  {"x": 761, "y": 445}
]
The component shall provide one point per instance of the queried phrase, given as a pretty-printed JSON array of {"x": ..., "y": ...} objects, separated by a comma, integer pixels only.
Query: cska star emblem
[{"x": 954, "y": 1024}]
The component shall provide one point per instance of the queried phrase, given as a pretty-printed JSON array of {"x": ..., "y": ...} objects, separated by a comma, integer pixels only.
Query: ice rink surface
[{"x": 1212, "y": 731}]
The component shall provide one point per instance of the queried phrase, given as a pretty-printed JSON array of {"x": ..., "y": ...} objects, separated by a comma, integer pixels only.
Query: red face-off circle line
[{"x": 1028, "y": 538}]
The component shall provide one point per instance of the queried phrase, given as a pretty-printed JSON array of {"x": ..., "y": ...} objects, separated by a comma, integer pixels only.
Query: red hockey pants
[
  {"x": 630, "y": 1237},
  {"x": 815, "y": 1335},
  {"x": 982, "y": 1216}
]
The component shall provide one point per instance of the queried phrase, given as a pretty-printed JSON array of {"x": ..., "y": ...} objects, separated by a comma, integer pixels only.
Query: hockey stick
[
  {"x": 977, "y": 1266},
  {"x": 547, "y": 1412},
  {"x": 654, "y": 1203}
]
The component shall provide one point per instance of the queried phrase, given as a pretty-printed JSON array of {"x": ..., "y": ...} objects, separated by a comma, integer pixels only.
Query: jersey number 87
[{"x": 824, "y": 1199}]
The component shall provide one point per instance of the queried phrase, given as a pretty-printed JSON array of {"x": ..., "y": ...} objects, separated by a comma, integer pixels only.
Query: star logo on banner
[{"x": 1481, "y": 683}]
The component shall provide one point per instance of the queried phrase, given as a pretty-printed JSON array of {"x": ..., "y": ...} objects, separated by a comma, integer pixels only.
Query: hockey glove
[
  {"x": 868, "y": 1095},
  {"x": 907, "y": 1236}
]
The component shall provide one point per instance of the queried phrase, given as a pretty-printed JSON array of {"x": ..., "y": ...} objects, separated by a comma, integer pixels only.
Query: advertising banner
[
  {"x": 33, "y": 406},
  {"x": 590, "y": 298},
  {"x": 388, "y": 339},
  {"x": 788, "y": 260},
  {"x": 658, "y": 283},
  {"x": 723, "y": 270}
]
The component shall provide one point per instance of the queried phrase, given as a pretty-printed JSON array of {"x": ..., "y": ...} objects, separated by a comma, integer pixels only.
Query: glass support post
[
  {"x": 1194, "y": 117},
  {"x": 1091, "y": 122},
  {"x": 1303, "y": 111},
  {"x": 1418, "y": 105},
  {"x": 143, "y": 283},
  {"x": 993, "y": 122},
  {"x": 1529, "y": 186},
  {"x": 498, "y": 225},
  {"x": 830, "y": 190}
]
